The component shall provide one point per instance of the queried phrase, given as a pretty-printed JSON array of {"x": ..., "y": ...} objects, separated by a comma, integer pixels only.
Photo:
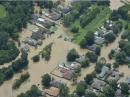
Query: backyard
[{"x": 2, "y": 11}]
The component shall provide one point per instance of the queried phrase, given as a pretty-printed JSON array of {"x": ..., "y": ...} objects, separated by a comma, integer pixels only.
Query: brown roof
[
  {"x": 52, "y": 91},
  {"x": 68, "y": 74}
]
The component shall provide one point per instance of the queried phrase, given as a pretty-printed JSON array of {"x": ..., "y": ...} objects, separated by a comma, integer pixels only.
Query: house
[
  {"x": 99, "y": 40},
  {"x": 104, "y": 71},
  {"x": 56, "y": 83},
  {"x": 38, "y": 33},
  {"x": 128, "y": 79},
  {"x": 55, "y": 16},
  {"x": 25, "y": 48},
  {"x": 109, "y": 25},
  {"x": 52, "y": 91},
  {"x": 98, "y": 84},
  {"x": 66, "y": 9},
  {"x": 31, "y": 41},
  {"x": 44, "y": 22},
  {"x": 81, "y": 59},
  {"x": 63, "y": 66},
  {"x": 119, "y": 93},
  {"x": 68, "y": 74},
  {"x": 74, "y": 66},
  {"x": 92, "y": 47},
  {"x": 116, "y": 75}
]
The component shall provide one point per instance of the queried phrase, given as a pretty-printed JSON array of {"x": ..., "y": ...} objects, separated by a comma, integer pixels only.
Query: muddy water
[
  {"x": 115, "y": 4},
  {"x": 106, "y": 49},
  {"x": 126, "y": 71},
  {"x": 84, "y": 72},
  {"x": 36, "y": 70}
]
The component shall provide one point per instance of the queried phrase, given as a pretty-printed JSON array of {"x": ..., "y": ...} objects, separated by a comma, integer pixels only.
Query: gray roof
[
  {"x": 104, "y": 71},
  {"x": 81, "y": 59},
  {"x": 56, "y": 83},
  {"x": 25, "y": 48},
  {"x": 55, "y": 16},
  {"x": 39, "y": 34},
  {"x": 119, "y": 93},
  {"x": 128, "y": 80},
  {"x": 98, "y": 84},
  {"x": 31, "y": 41},
  {"x": 99, "y": 40},
  {"x": 92, "y": 47},
  {"x": 116, "y": 75}
]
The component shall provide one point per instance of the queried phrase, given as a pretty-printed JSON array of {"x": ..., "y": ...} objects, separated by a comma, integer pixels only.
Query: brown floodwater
[
  {"x": 126, "y": 71},
  {"x": 36, "y": 70},
  {"x": 106, "y": 49}
]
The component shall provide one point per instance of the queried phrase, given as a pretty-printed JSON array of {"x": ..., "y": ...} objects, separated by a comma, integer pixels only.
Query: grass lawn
[
  {"x": 97, "y": 22},
  {"x": 2, "y": 11}
]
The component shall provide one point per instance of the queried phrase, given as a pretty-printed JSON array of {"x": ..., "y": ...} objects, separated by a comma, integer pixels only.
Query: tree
[
  {"x": 20, "y": 63},
  {"x": 72, "y": 55},
  {"x": 121, "y": 58},
  {"x": 46, "y": 79},
  {"x": 92, "y": 57},
  {"x": 89, "y": 78},
  {"x": 74, "y": 29},
  {"x": 114, "y": 15},
  {"x": 124, "y": 88},
  {"x": 113, "y": 84},
  {"x": 110, "y": 37},
  {"x": 98, "y": 67},
  {"x": 101, "y": 95},
  {"x": 123, "y": 12},
  {"x": 63, "y": 90},
  {"x": 98, "y": 50},
  {"x": 108, "y": 91},
  {"x": 36, "y": 58},
  {"x": 80, "y": 89},
  {"x": 33, "y": 92},
  {"x": 90, "y": 94},
  {"x": 88, "y": 39},
  {"x": 85, "y": 63},
  {"x": 8, "y": 73},
  {"x": 3, "y": 38}
]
